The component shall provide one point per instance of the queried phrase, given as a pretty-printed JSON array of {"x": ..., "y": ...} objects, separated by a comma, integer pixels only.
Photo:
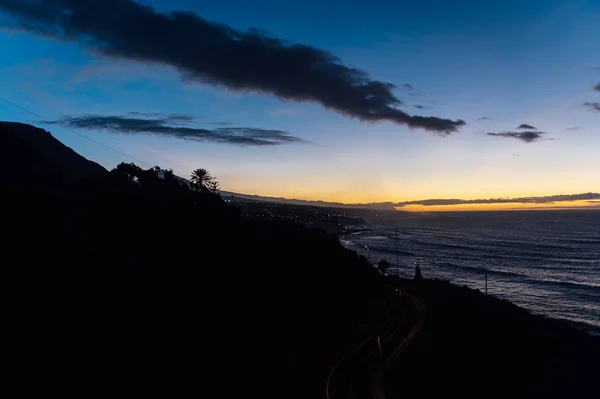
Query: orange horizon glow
[
  {"x": 386, "y": 189},
  {"x": 591, "y": 204},
  {"x": 509, "y": 206},
  {"x": 366, "y": 198}
]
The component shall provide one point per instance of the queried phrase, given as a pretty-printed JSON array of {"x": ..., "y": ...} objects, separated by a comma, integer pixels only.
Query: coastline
[
  {"x": 544, "y": 262},
  {"x": 428, "y": 287},
  {"x": 353, "y": 232}
]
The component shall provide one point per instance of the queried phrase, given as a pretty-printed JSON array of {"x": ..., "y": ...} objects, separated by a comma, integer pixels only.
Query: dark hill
[
  {"x": 150, "y": 289},
  {"x": 23, "y": 165},
  {"x": 47, "y": 148},
  {"x": 147, "y": 288}
]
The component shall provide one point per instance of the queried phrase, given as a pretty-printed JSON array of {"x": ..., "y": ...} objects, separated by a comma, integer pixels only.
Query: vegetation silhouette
[
  {"x": 203, "y": 181},
  {"x": 383, "y": 265}
]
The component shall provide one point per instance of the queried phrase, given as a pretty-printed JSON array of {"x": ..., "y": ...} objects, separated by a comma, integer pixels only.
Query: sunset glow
[
  {"x": 502, "y": 207},
  {"x": 410, "y": 109}
]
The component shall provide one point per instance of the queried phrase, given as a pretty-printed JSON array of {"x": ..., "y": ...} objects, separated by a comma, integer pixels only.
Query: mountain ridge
[{"x": 73, "y": 165}]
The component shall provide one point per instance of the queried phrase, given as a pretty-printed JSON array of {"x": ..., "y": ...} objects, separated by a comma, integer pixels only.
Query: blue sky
[{"x": 513, "y": 62}]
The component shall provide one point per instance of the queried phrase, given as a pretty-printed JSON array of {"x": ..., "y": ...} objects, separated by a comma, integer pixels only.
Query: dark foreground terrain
[
  {"x": 473, "y": 345},
  {"x": 144, "y": 287}
]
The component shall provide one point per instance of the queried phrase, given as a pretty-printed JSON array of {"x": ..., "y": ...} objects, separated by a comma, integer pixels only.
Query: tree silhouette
[
  {"x": 203, "y": 181},
  {"x": 168, "y": 174},
  {"x": 383, "y": 265},
  {"x": 126, "y": 172}
]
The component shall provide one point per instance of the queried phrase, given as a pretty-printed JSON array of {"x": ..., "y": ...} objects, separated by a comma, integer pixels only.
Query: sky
[{"x": 346, "y": 101}]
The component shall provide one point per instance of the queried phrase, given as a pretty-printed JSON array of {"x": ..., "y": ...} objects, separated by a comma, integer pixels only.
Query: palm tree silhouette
[{"x": 203, "y": 181}]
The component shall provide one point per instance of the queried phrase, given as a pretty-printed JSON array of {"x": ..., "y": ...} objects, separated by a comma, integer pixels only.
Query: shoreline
[
  {"x": 578, "y": 326},
  {"x": 353, "y": 232},
  {"x": 535, "y": 277}
]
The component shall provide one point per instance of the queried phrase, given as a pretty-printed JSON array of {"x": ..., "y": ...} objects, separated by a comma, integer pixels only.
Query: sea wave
[{"x": 547, "y": 262}]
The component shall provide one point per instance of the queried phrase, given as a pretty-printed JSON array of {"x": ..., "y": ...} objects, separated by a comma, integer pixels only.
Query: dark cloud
[
  {"x": 526, "y": 127},
  {"x": 594, "y": 106},
  {"x": 216, "y": 54},
  {"x": 419, "y": 106},
  {"x": 170, "y": 126},
  {"x": 485, "y": 118},
  {"x": 145, "y": 114},
  {"x": 528, "y": 137},
  {"x": 574, "y": 128},
  {"x": 168, "y": 118},
  {"x": 523, "y": 200},
  {"x": 408, "y": 86},
  {"x": 597, "y": 87}
]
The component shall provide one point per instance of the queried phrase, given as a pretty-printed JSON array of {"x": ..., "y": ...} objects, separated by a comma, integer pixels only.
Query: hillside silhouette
[
  {"x": 41, "y": 143},
  {"x": 150, "y": 287},
  {"x": 153, "y": 289}
]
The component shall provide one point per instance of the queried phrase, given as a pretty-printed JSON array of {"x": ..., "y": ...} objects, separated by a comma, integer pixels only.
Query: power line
[
  {"x": 66, "y": 116},
  {"x": 229, "y": 188},
  {"x": 77, "y": 133}
]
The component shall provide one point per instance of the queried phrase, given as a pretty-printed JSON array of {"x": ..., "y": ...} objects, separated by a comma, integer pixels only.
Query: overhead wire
[
  {"x": 77, "y": 133},
  {"x": 63, "y": 126},
  {"x": 109, "y": 134}
]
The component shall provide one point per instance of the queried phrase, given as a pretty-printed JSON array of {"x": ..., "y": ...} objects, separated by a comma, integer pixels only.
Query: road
[{"x": 358, "y": 374}]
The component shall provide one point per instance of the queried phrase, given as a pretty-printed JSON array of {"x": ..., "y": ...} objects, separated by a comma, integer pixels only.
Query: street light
[{"x": 368, "y": 253}]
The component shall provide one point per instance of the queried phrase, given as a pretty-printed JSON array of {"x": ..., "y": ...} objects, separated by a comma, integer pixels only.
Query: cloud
[
  {"x": 283, "y": 112},
  {"x": 174, "y": 126},
  {"x": 408, "y": 86},
  {"x": 597, "y": 87},
  {"x": 574, "y": 128},
  {"x": 216, "y": 54},
  {"x": 527, "y": 137},
  {"x": 523, "y": 200},
  {"x": 526, "y": 127},
  {"x": 168, "y": 118},
  {"x": 485, "y": 118},
  {"x": 593, "y": 106},
  {"x": 419, "y": 106}
]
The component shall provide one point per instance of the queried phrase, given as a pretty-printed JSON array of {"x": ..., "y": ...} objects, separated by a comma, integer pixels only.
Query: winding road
[{"x": 358, "y": 375}]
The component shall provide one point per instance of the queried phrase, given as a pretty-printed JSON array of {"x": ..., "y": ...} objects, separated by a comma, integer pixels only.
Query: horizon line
[{"x": 589, "y": 201}]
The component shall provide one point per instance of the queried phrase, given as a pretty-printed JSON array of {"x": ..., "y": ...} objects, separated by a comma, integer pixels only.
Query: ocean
[{"x": 545, "y": 261}]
